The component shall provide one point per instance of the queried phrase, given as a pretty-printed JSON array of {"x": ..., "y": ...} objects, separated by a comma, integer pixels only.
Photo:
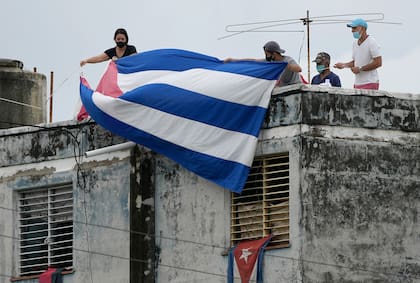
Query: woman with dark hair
[{"x": 121, "y": 49}]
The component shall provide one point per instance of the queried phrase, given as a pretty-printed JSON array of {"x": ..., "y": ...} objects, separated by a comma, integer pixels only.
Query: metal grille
[
  {"x": 46, "y": 229},
  {"x": 263, "y": 206}
]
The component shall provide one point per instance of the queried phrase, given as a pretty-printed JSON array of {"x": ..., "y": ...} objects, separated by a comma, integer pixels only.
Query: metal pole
[
  {"x": 51, "y": 94},
  {"x": 309, "y": 52},
  {"x": 306, "y": 22}
]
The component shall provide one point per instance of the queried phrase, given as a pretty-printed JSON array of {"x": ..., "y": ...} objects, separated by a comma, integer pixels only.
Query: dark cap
[
  {"x": 322, "y": 57},
  {"x": 273, "y": 46}
]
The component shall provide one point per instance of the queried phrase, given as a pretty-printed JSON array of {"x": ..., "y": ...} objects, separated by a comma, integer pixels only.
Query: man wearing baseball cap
[
  {"x": 325, "y": 75},
  {"x": 273, "y": 52},
  {"x": 290, "y": 75},
  {"x": 366, "y": 57}
]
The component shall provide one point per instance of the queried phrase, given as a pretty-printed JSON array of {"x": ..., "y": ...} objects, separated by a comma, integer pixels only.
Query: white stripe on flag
[
  {"x": 193, "y": 135},
  {"x": 206, "y": 82},
  {"x": 128, "y": 82}
]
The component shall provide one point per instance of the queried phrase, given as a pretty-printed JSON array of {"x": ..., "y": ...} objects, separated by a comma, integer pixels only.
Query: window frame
[
  {"x": 263, "y": 206},
  {"x": 53, "y": 206}
]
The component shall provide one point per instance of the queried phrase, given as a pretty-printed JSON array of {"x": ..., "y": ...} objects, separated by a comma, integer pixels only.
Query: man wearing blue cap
[{"x": 366, "y": 57}]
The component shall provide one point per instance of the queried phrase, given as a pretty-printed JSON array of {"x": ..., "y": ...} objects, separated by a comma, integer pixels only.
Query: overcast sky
[{"x": 55, "y": 35}]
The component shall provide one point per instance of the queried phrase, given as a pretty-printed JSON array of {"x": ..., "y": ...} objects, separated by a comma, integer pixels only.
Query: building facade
[{"x": 336, "y": 181}]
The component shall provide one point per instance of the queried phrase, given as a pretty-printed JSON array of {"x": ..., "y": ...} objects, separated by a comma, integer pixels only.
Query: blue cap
[{"x": 358, "y": 22}]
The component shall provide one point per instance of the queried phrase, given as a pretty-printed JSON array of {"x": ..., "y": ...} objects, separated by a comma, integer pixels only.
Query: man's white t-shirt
[{"x": 363, "y": 54}]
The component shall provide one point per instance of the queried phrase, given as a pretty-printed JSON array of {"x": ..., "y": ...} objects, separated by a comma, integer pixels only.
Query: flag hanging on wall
[
  {"x": 246, "y": 254},
  {"x": 195, "y": 109}
]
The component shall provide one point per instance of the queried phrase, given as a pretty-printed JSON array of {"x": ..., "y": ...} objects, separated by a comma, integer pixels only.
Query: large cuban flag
[{"x": 195, "y": 109}]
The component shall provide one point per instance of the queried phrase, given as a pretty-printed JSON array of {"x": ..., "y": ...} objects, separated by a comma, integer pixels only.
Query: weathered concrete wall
[
  {"x": 354, "y": 195},
  {"x": 314, "y": 105},
  {"x": 38, "y": 157},
  {"x": 193, "y": 224},
  {"x": 27, "y": 145},
  {"x": 359, "y": 182},
  {"x": 142, "y": 217},
  {"x": 102, "y": 246},
  {"x": 361, "y": 205}
]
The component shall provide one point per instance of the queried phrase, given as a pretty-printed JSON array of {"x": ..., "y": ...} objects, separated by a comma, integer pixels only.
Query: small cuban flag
[{"x": 246, "y": 254}]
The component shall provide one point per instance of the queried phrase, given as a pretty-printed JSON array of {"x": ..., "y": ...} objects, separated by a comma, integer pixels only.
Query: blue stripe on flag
[
  {"x": 181, "y": 60},
  {"x": 236, "y": 122},
  {"x": 228, "y": 174},
  {"x": 194, "y": 106}
]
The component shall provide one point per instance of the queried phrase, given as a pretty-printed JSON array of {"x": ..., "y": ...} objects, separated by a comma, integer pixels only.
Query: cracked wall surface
[{"x": 354, "y": 194}]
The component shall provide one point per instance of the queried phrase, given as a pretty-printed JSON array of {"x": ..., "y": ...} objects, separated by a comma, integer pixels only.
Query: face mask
[
  {"x": 320, "y": 68},
  {"x": 269, "y": 58},
  {"x": 121, "y": 44},
  {"x": 356, "y": 35}
]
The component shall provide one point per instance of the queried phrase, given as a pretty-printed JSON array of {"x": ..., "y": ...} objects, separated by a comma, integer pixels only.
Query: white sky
[{"x": 55, "y": 35}]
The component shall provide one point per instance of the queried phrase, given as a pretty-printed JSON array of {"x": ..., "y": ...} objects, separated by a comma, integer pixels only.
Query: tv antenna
[{"x": 267, "y": 26}]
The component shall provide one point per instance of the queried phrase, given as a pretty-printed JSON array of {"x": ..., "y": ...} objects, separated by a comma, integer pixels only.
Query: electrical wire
[
  {"x": 20, "y": 103},
  {"x": 81, "y": 183},
  {"x": 78, "y": 159},
  {"x": 61, "y": 84},
  {"x": 301, "y": 47},
  {"x": 48, "y": 98},
  {"x": 266, "y": 254},
  {"x": 62, "y": 128},
  {"x": 222, "y": 248}
]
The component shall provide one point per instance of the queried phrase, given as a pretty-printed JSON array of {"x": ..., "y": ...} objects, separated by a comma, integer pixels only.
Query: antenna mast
[
  {"x": 329, "y": 19},
  {"x": 306, "y": 22}
]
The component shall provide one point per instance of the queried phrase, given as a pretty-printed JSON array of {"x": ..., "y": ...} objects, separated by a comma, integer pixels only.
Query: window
[
  {"x": 263, "y": 206},
  {"x": 45, "y": 229}
]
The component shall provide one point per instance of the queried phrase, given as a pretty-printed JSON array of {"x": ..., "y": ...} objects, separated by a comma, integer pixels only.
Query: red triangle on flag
[
  {"x": 246, "y": 254},
  {"x": 107, "y": 85}
]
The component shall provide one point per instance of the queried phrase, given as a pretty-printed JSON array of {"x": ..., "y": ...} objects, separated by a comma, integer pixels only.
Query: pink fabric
[
  {"x": 107, "y": 85},
  {"x": 303, "y": 79},
  {"x": 367, "y": 86},
  {"x": 82, "y": 112}
]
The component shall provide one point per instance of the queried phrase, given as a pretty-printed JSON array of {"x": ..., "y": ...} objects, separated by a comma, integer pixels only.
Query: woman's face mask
[{"x": 121, "y": 44}]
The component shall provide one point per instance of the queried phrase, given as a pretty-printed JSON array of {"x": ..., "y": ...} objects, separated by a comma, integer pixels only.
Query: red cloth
[
  {"x": 246, "y": 254},
  {"x": 107, "y": 85},
  {"x": 367, "y": 86},
  {"x": 303, "y": 79},
  {"x": 46, "y": 277}
]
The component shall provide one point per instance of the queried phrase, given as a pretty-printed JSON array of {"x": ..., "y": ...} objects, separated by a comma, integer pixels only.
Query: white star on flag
[{"x": 245, "y": 254}]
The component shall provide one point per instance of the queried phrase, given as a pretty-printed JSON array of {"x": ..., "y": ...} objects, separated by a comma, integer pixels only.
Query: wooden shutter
[{"x": 263, "y": 206}]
